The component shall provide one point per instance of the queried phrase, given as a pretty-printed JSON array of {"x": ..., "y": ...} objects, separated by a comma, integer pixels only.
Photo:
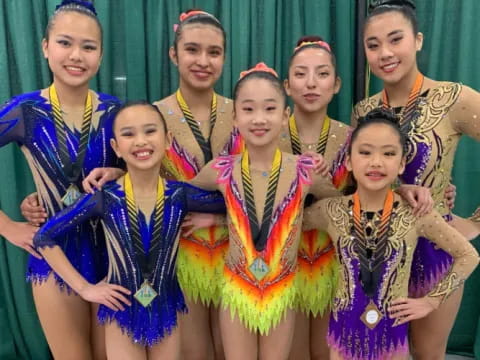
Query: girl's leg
[
  {"x": 277, "y": 344},
  {"x": 301, "y": 337},
  {"x": 195, "y": 336},
  {"x": 429, "y": 335},
  {"x": 239, "y": 343},
  {"x": 318, "y": 337},
  {"x": 216, "y": 334},
  {"x": 167, "y": 349},
  {"x": 97, "y": 335},
  {"x": 120, "y": 346},
  {"x": 65, "y": 320}
]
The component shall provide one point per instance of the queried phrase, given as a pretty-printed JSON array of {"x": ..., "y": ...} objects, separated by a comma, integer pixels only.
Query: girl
[
  {"x": 201, "y": 123},
  {"x": 375, "y": 234},
  {"x": 64, "y": 131},
  {"x": 312, "y": 82},
  {"x": 141, "y": 215},
  {"x": 264, "y": 190},
  {"x": 434, "y": 114}
]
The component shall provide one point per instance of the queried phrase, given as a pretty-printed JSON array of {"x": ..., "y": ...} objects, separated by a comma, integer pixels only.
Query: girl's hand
[
  {"x": 110, "y": 295},
  {"x": 194, "y": 221},
  {"x": 320, "y": 164},
  {"x": 99, "y": 176},
  {"x": 408, "y": 309},
  {"x": 419, "y": 198},
  {"x": 32, "y": 210},
  {"x": 450, "y": 195},
  {"x": 21, "y": 234}
]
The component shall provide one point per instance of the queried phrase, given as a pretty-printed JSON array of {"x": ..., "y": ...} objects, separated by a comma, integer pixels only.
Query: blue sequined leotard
[
  {"x": 145, "y": 325},
  {"x": 28, "y": 120}
]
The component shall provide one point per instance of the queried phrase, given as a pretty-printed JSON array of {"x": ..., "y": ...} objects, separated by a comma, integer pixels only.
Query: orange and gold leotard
[
  {"x": 259, "y": 284},
  {"x": 317, "y": 265},
  {"x": 200, "y": 256}
]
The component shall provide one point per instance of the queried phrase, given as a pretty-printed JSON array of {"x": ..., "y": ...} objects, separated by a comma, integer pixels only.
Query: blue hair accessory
[{"x": 83, "y": 4}]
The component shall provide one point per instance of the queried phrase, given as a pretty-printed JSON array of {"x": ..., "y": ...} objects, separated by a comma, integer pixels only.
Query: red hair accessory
[
  {"x": 323, "y": 44},
  {"x": 184, "y": 16},
  {"x": 259, "y": 67}
]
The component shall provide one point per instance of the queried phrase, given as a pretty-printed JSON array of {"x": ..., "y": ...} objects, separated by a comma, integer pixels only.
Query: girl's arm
[
  {"x": 213, "y": 214},
  {"x": 206, "y": 179},
  {"x": 465, "y": 113},
  {"x": 18, "y": 233},
  {"x": 433, "y": 227},
  {"x": 206, "y": 208},
  {"x": 315, "y": 216},
  {"x": 48, "y": 241},
  {"x": 322, "y": 187},
  {"x": 12, "y": 127}
]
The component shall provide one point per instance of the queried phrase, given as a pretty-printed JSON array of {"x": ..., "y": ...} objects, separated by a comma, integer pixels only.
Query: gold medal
[
  {"x": 72, "y": 195},
  {"x": 371, "y": 316},
  {"x": 145, "y": 294},
  {"x": 259, "y": 268}
]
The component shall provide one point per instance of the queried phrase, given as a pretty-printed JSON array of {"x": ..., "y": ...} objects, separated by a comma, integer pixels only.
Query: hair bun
[
  {"x": 399, "y": 3},
  {"x": 380, "y": 113}
]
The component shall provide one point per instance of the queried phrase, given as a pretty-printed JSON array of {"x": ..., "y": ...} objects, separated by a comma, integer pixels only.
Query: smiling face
[
  {"x": 140, "y": 137},
  {"x": 260, "y": 112},
  {"x": 73, "y": 49},
  {"x": 199, "y": 55},
  {"x": 376, "y": 157},
  {"x": 391, "y": 46},
  {"x": 311, "y": 80}
]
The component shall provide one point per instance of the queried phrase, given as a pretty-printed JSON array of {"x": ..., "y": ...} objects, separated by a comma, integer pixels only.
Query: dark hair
[
  {"x": 200, "y": 18},
  {"x": 404, "y": 7},
  {"x": 133, "y": 103},
  {"x": 313, "y": 39},
  {"x": 264, "y": 75},
  {"x": 379, "y": 116},
  {"x": 80, "y": 7}
]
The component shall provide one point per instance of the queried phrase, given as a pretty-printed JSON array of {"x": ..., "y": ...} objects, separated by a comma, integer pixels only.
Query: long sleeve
[
  {"x": 88, "y": 206},
  {"x": 465, "y": 113},
  {"x": 12, "y": 127},
  {"x": 198, "y": 200},
  {"x": 322, "y": 187},
  {"x": 433, "y": 227},
  {"x": 206, "y": 178},
  {"x": 315, "y": 216}
]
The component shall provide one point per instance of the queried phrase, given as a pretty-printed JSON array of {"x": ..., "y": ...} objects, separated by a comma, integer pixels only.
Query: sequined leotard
[
  {"x": 203, "y": 251},
  {"x": 317, "y": 267},
  {"x": 259, "y": 285},
  {"x": 348, "y": 334},
  {"x": 28, "y": 120},
  {"x": 445, "y": 113},
  {"x": 145, "y": 325}
]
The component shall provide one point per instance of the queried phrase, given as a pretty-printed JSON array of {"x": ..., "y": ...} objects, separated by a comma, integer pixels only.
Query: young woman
[
  {"x": 375, "y": 234},
  {"x": 201, "y": 123},
  {"x": 64, "y": 132},
  {"x": 264, "y": 190},
  {"x": 434, "y": 114},
  {"x": 312, "y": 82},
  {"x": 141, "y": 215}
]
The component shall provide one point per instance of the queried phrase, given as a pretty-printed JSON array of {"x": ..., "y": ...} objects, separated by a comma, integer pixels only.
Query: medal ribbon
[
  {"x": 410, "y": 109},
  {"x": 260, "y": 233},
  {"x": 322, "y": 140},
  {"x": 371, "y": 259},
  {"x": 146, "y": 262},
  {"x": 203, "y": 142},
  {"x": 71, "y": 169}
]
